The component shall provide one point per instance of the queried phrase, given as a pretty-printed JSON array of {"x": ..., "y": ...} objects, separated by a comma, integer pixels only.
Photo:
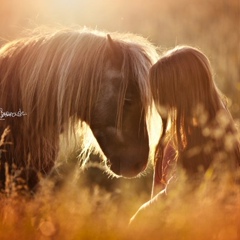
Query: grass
[{"x": 76, "y": 211}]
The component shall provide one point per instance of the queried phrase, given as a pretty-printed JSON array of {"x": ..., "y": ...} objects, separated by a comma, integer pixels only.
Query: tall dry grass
[{"x": 75, "y": 212}]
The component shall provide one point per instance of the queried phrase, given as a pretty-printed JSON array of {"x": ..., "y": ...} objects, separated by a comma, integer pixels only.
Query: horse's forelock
[{"x": 141, "y": 56}]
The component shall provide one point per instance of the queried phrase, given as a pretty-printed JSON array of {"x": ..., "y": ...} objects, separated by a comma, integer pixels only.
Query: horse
[{"x": 51, "y": 81}]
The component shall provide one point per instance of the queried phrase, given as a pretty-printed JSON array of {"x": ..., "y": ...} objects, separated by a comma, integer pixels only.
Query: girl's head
[{"x": 182, "y": 80}]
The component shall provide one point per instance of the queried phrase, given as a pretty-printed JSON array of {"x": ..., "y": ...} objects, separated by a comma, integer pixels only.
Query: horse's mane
[{"x": 56, "y": 76}]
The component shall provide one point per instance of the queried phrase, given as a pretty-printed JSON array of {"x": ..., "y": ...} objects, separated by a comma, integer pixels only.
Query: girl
[{"x": 198, "y": 129}]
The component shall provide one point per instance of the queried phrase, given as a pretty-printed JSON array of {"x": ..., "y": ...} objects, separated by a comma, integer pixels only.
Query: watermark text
[{"x": 6, "y": 114}]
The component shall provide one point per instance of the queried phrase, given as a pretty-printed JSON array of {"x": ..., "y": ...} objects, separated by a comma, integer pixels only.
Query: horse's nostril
[
  {"x": 115, "y": 169},
  {"x": 140, "y": 166}
]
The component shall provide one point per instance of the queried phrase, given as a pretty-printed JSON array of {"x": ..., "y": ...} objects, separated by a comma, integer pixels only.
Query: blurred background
[{"x": 211, "y": 25}]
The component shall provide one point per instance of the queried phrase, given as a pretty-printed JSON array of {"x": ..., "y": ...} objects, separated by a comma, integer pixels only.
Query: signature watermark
[{"x": 6, "y": 114}]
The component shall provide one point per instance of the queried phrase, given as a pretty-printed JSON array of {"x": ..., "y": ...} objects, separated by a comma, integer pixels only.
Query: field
[
  {"x": 94, "y": 206},
  {"x": 78, "y": 211}
]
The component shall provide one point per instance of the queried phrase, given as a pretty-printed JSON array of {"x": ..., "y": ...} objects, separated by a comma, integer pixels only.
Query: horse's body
[{"x": 61, "y": 78}]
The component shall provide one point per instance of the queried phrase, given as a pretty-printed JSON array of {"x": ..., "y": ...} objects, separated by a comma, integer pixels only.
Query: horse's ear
[{"x": 115, "y": 53}]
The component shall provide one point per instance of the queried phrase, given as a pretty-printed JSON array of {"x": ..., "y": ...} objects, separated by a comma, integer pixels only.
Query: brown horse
[{"x": 50, "y": 82}]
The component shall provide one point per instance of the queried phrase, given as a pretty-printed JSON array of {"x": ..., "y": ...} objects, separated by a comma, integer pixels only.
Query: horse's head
[{"x": 118, "y": 120}]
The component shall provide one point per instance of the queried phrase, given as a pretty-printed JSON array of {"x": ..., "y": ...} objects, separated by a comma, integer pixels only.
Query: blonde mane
[{"x": 55, "y": 77}]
